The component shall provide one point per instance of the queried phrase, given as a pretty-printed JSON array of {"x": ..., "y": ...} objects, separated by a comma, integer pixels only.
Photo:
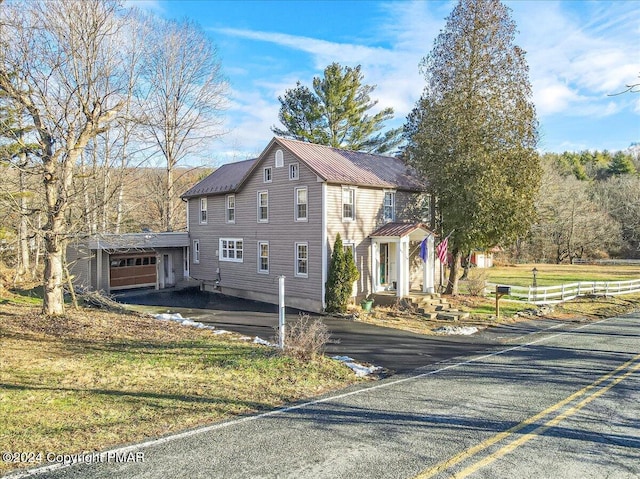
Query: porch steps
[
  {"x": 430, "y": 305},
  {"x": 433, "y": 306}
]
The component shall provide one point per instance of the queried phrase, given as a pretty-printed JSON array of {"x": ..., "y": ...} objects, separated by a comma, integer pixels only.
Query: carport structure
[{"x": 114, "y": 262}]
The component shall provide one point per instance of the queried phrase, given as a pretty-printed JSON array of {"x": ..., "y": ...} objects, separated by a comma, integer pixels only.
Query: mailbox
[{"x": 503, "y": 289}]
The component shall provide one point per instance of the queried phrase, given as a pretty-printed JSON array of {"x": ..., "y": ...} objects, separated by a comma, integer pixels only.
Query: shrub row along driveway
[{"x": 396, "y": 350}]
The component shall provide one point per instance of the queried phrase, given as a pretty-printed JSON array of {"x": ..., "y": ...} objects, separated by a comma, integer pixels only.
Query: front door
[{"x": 384, "y": 263}]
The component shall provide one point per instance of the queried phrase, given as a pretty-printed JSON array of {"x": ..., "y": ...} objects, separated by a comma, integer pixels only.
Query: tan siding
[
  {"x": 281, "y": 231},
  {"x": 369, "y": 204},
  {"x": 79, "y": 263}
]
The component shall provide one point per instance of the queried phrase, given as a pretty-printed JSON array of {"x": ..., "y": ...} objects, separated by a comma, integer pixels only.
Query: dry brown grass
[{"x": 95, "y": 379}]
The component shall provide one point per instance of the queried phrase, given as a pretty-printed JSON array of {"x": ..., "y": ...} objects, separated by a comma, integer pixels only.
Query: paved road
[{"x": 560, "y": 404}]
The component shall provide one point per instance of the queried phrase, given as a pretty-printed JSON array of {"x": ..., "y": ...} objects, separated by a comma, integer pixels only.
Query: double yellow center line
[{"x": 587, "y": 391}]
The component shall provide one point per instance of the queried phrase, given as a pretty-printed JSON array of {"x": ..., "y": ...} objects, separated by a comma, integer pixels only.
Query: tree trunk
[
  {"x": 452, "y": 285},
  {"x": 119, "y": 202},
  {"x": 23, "y": 228},
  {"x": 53, "y": 304},
  {"x": 466, "y": 266},
  {"x": 169, "y": 198}
]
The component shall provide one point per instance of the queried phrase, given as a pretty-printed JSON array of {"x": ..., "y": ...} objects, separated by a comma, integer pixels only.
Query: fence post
[{"x": 578, "y": 292}]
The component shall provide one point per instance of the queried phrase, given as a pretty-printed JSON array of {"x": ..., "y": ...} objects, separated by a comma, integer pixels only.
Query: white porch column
[
  {"x": 402, "y": 266},
  {"x": 428, "y": 268},
  {"x": 375, "y": 265}
]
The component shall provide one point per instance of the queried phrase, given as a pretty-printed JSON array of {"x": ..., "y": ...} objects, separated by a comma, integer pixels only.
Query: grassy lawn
[
  {"x": 95, "y": 379},
  {"x": 482, "y": 309},
  {"x": 555, "y": 274}
]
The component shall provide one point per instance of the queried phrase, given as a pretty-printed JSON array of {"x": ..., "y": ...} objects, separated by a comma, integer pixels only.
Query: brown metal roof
[
  {"x": 398, "y": 229},
  {"x": 226, "y": 179},
  {"x": 335, "y": 165},
  {"x": 331, "y": 164}
]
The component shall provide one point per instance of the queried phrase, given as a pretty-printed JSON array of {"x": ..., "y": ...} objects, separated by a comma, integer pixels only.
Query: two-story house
[{"x": 252, "y": 221}]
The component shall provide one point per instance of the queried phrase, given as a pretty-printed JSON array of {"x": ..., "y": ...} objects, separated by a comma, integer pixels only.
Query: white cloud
[{"x": 578, "y": 54}]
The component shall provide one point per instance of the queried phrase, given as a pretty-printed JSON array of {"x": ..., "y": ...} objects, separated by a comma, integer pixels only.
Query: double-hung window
[
  {"x": 231, "y": 249},
  {"x": 267, "y": 175},
  {"x": 231, "y": 208},
  {"x": 302, "y": 260},
  {"x": 301, "y": 204},
  {"x": 203, "y": 211},
  {"x": 263, "y": 206},
  {"x": 389, "y": 205},
  {"x": 348, "y": 204},
  {"x": 294, "y": 171},
  {"x": 263, "y": 257}
]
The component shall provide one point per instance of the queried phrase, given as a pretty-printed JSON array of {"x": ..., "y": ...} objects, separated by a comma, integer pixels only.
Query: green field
[{"x": 556, "y": 274}]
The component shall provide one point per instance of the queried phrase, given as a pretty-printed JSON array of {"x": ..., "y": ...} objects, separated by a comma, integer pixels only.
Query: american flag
[{"x": 441, "y": 250}]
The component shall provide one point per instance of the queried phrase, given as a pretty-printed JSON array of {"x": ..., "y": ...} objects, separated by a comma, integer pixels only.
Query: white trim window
[
  {"x": 294, "y": 171},
  {"x": 348, "y": 204},
  {"x": 302, "y": 260},
  {"x": 231, "y": 208},
  {"x": 203, "y": 211},
  {"x": 231, "y": 249},
  {"x": 196, "y": 251},
  {"x": 302, "y": 202},
  {"x": 389, "y": 205},
  {"x": 349, "y": 246},
  {"x": 263, "y": 206},
  {"x": 279, "y": 159},
  {"x": 263, "y": 257},
  {"x": 266, "y": 175}
]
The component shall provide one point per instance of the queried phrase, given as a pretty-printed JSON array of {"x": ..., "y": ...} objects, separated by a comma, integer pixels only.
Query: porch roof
[{"x": 398, "y": 230}]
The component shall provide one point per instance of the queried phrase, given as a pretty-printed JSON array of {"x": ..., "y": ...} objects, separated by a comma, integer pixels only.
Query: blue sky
[{"x": 579, "y": 53}]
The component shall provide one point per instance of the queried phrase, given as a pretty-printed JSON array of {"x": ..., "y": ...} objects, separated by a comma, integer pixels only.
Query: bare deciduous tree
[
  {"x": 183, "y": 96},
  {"x": 64, "y": 68}
]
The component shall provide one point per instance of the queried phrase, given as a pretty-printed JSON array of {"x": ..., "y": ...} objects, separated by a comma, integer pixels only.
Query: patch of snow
[
  {"x": 456, "y": 330},
  {"x": 177, "y": 317},
  {"x": 264, "y": 342},
  {"x": 359, "y": 369},
  {"x": 168, "y": 317}
]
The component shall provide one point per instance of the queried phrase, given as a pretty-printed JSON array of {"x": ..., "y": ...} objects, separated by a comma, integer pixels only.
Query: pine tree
[
  {"x": 335, "y": 113},
  {"x": 473, "y": 133},
  {"x": 342, "y": 273}
]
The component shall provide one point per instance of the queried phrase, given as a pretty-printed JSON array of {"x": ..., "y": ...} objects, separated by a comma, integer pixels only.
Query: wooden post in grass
[{"x": 281, "y": 308}]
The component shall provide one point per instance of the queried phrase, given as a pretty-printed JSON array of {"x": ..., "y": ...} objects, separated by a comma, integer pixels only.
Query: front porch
[{"x": 398, "y": 253}]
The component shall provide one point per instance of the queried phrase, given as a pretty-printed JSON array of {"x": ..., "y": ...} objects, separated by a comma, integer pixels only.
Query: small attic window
[{"x": 279, "y": 159}]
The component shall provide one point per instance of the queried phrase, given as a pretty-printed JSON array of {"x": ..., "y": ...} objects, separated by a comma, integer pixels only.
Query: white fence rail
[{"x": 565, "y": 292}]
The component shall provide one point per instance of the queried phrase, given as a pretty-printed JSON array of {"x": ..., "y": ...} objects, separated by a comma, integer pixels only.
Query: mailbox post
[{"x": 500, "y": 292}]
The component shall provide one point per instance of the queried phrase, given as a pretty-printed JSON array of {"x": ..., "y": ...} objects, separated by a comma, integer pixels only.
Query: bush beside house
[{"x": 342, "y": 274}]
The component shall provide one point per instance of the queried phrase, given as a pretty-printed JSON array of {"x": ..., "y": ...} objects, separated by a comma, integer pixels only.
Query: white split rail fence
[{"x": 566, "y": 292}]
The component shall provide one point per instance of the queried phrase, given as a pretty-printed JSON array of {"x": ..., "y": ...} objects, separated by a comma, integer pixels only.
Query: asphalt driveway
[{"x": 396, "y": 350}]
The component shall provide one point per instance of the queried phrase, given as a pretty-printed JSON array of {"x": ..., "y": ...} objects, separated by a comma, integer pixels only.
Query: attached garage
[
  {"x": 136, "y": 260},
  {"x": 132, "y": 271}
]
